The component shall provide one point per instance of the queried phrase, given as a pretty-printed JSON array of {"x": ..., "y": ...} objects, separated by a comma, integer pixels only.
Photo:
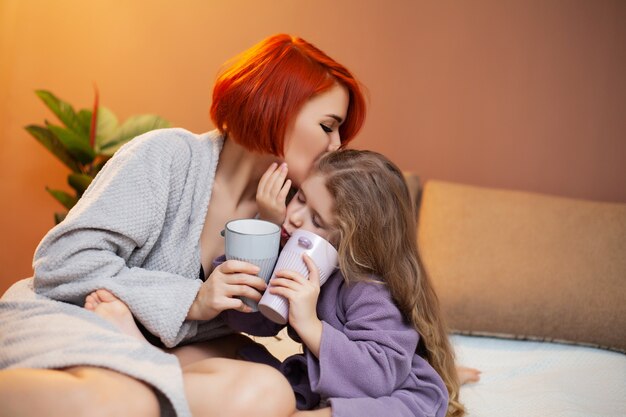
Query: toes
[
  {"x": 91, "y": 302},
  {"x": 105, "y": 296}
]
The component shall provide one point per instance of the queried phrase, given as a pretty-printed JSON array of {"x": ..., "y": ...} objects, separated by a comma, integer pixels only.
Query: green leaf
[
  {"x": 132, "y": 127},
  {"x": 62, "y": 197},
  {"x": 106, "y": 127},
  {"x": 79, "y": 149},
  {"x": 54, "y": 145},
  {"x": 84, "y": 118},
  {"x": 65, "y": 112},
  {"x": 59, "y": 216},
  {"x": 79, "y": 182}
]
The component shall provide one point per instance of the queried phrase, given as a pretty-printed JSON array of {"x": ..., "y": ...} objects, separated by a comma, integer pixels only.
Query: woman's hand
[
  {"x": 302, "y": 294},
  {"x": 272, "y": 193},
  {"x": 219, "y": 292}
]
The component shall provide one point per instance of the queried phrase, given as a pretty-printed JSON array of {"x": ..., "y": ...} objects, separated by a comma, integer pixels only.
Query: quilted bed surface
[{"x": 528, "y": 379}]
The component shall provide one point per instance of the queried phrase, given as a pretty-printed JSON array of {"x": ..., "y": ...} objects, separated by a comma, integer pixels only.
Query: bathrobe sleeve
[
  {"x": 371, "y": 355},
  {"x": 112, "y": 229}
]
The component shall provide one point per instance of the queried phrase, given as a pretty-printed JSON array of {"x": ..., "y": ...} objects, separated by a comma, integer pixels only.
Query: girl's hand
[
  {"x": 272, "y": 192},
  {"x": 302, "y": 295},
  {"x": 219, "y": 292}
]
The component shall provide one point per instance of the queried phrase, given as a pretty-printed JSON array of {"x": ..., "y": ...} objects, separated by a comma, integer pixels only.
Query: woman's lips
[{"x": 284, "y": 234}]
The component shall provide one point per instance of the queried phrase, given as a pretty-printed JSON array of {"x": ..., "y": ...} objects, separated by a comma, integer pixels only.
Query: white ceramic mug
[{"x": 255, "y": 241}]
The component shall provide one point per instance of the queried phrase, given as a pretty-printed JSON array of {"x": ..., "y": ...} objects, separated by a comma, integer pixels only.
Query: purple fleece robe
[{"x": 367, "y": 364}]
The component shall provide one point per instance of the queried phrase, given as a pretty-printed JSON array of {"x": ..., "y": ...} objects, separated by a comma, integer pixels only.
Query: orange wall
[{"x": 520, "y": 94}]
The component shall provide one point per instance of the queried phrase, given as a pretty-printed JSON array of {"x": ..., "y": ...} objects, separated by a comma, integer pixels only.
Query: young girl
[{"x": 374, "y": 340}]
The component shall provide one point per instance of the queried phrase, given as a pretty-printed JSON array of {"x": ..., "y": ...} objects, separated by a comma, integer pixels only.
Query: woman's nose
[{"x": 335, "y": 141}]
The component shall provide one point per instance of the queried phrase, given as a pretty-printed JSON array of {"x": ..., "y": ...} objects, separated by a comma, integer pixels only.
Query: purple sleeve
[
  {"x": 401, "y": 403},
  {"x": 371, "y": 356},
  {"x": 423, "y": 394}
]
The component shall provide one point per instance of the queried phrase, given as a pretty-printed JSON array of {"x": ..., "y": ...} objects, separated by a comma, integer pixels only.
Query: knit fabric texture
[{"x": 135, "y": 232}]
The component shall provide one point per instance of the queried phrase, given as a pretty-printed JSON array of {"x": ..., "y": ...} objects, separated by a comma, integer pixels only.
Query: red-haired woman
[{"x": 141, "y": 240}]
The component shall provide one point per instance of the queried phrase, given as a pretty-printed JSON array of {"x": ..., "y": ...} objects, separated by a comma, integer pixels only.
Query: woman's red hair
[{"x": 260, "y": 93}]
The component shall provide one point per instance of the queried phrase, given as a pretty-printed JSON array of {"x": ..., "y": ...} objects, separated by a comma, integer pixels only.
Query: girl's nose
[{"x": 296, "y": 218}]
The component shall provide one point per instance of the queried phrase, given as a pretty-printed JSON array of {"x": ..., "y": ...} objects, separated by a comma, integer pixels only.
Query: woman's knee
[
  {"x": 237, "y": 388},
  {"x": 265, "y": 393}
]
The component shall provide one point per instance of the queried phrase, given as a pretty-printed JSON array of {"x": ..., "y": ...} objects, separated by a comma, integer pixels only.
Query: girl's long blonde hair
[{"x": 377, "y": 235}]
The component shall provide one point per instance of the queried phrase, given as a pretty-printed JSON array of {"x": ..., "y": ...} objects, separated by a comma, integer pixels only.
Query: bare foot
[
  {"x": 113, "y": 310},
  {"x": 467, "y": 375}
]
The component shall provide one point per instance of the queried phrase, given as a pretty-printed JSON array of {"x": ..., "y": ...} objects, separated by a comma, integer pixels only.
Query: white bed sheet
[{"x": 528, "y": 379}]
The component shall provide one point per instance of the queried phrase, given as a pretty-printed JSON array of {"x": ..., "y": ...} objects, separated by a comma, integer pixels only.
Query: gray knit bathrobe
[{"x": 135, "y": 232}]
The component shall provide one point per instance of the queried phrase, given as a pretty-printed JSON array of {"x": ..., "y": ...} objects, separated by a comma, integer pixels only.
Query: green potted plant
[{"x": 85, "y": 141}]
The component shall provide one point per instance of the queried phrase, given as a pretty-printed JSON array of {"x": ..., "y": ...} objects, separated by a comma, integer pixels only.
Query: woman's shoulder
[{"x": 175, "y": 140}]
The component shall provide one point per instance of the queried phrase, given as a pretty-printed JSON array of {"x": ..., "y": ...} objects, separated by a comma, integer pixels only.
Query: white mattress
[{"x": 528, "y": 379}]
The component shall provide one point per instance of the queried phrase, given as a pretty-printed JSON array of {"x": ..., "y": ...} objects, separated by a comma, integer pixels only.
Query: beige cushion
[{"x": 526, "y": 265}]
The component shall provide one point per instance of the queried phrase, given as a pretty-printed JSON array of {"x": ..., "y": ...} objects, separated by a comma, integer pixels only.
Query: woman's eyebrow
[{"x": 337, "y": 118}]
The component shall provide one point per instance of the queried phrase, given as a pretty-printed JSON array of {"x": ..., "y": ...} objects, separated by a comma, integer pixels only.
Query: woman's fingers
[
  {"x": 243, "y": 291},
  {"x": 265, "y": 178},
  {"x": 234, "y": 304},
  {"x": 233, "y": 266},
  {"x": 282, "y": 195},
  {"x": 272, "y": 182},
  {"x": 277, "y": 180},
  {"x": 245, "y": 280},
  {"x": 240, "y": 279}
]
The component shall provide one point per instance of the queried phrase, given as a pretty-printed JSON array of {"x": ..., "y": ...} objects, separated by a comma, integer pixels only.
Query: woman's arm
[{"x": 108, "y": 235}]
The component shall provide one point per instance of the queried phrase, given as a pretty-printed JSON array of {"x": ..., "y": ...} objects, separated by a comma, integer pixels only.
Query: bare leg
[
  {"x": 467, "y": 375},
  {"x": 237, "y": 388},
  {"x": 214, "y": 387},
  {"x": 78, "y": 391},
  {"x": 81, "y": 390}
]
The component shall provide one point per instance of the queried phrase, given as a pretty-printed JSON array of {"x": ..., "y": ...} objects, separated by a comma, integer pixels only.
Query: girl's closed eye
[{"x": 316, "y": 222}]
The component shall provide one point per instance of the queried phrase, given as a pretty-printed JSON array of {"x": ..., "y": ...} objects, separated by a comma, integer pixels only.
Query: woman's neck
[{"x": 239, "y": 171}]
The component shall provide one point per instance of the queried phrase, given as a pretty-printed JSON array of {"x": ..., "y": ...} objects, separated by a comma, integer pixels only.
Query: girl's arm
[
  {"x": 372, "y": 354},
  {"x": 401, "y": 403},
  {"x": 302, "y": 294},
  {"x": 422, "y": 394}
]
